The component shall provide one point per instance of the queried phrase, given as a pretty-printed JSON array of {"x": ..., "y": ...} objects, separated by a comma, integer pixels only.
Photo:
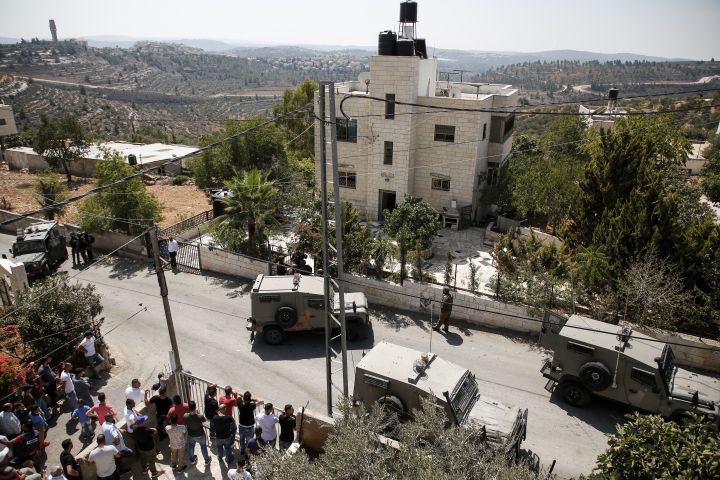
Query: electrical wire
[
  {"x": 95, "y": 263},
  {"x": 503, "y": 110},
  {"x": 148, "y": 170}
]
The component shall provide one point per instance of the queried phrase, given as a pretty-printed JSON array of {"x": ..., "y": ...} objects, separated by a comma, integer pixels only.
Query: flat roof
[
  {"x": 397, "y": 362},
  {"x": 144, "y": 152},
  {"x": 284, "y": 283},
  {"x": 641, "y": 347}
]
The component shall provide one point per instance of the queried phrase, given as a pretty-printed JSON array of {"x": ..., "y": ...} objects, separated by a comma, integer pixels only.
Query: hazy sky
[{"x": 668, "y": 28}]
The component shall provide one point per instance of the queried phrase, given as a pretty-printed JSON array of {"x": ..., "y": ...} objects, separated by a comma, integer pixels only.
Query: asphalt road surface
[{"x": 209, "y": 313}]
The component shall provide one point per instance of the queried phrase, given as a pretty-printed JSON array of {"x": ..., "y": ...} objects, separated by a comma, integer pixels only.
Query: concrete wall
[
  {"x": 228, "y": 263},
  {"x": 687, "y": 355},
  {"x": 469, "y": 307}
]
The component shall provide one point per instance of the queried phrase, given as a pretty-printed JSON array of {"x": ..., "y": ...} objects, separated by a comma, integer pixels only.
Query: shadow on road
[
  {"x": 603, "y": 415},
  {"x": 126, "y": 268},
  {"x": 303, "y": 345}
]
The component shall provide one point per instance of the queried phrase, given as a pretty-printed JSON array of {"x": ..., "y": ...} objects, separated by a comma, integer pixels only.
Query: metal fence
[
  {"x": 190, "y": 387},
  {"x": 187, "y": 224}
]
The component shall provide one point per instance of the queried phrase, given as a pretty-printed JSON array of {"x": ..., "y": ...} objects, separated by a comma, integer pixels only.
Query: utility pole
[
  {"x": 164, "y": 294},
  {"x": 332, "y": 287}
]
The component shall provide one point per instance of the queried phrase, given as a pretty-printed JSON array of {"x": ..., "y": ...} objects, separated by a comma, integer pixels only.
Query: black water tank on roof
[
  {"x": 408, "y": 12},
  {"x": 218, "y": 203},
  {"x": 613, "y": 94},
  {"x": 405, "y": 47},
  {"x": 132, "y": 159},
  {"x": 420, "y": 48},
  {"x": 387, "y": 43}
]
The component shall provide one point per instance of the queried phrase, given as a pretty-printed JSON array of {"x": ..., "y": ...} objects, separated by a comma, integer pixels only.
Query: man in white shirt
[
  {"x": 172, "y": 250},
  {"x": 87, "y": 347},
  {"x": 267, "y": 421},
  {"x": 66, "y": 380},
  {"x": 134, "y": 392},
  {"x": 9, "y": 422},
  {"x": 241, "y": 472},
  {"x": 104, "y": 457}
]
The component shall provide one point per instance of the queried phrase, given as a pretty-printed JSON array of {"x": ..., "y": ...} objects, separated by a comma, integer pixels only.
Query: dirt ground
[{"x": 178, "y": 202}]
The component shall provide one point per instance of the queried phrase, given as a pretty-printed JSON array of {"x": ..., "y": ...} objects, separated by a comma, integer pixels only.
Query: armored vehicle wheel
[
  {"x": 595, "y": 376},
  {"x": 353, "y": 329},
  {"x": 575, "y": 394},
  {"x": 45, "y": 270},
  {"x": 273, "y": 335},
  {"x": 286, "y": 316}
]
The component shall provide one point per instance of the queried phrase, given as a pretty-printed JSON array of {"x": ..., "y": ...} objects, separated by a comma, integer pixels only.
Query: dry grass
[{"x": 178, "y": 202}]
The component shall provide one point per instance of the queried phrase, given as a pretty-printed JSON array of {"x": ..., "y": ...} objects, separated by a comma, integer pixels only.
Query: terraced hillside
[{"x": 181, "y": 91}]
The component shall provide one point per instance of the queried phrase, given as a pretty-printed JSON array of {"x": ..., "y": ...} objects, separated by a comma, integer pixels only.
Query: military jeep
[
  {"x": 292, "y": 303},
  {"x": 593, "y": 358},
  {"x": 40, "y": 247},
  {"x": 396, "y": 378}
]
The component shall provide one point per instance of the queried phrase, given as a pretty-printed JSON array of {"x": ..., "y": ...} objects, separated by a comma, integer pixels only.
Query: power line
[
  {"x": 148, "y": 170},
  {"x": 70, "y": 277},
  {"x": 494, "y": 110}
]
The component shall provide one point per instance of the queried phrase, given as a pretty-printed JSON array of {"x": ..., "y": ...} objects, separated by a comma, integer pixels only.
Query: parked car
[
  {"x": 593, "y": 358},
  {"x": 41, "y": 248}
]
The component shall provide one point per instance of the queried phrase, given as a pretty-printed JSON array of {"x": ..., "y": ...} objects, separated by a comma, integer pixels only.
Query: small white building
[
  {"x": 146, "y": 155},
  {"x": 13, "y": 280},
  {"x": 696, "y": 159},
  {"x": 7, "y": 121},
  {"x": 386, "y": 150}
]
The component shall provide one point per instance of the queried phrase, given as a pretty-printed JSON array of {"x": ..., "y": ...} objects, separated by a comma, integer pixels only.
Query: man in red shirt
[
  {"x": 180, "y": 408},
  {"x": 99, "y": 411},
  {"x": 229, "y": 400}
]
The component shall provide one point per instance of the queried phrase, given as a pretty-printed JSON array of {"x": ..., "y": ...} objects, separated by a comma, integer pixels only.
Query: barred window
[
  {"x": 441, "y": 184},
  {"x": 444, "y": 133},
  {"x": 389, "y": 106},
  {"x": 348, "y": 179}
]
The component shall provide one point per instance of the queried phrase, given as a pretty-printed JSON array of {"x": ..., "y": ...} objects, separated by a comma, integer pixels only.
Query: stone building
[{"x": 386, "y": 150}]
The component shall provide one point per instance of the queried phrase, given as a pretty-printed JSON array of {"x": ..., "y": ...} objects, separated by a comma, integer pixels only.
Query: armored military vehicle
[
  {"x": 40, "y": 247},
  {"x": 593, "y": 358},
  {"x": 291, "y": 303},
  {"x": 398, "y": 377}
]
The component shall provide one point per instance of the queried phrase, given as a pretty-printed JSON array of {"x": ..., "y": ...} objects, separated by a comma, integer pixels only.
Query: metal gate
[
  {"x": 188, "y": 258},
  {"x": 190, "y": 387}
]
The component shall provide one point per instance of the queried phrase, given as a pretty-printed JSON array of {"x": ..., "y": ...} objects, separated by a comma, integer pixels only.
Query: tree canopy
[
  {"x": 61, "y": 141},
  {"x": 126, "y": 207}
]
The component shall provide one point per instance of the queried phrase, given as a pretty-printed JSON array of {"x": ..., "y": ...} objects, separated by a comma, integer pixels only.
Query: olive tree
[
  {"x": 54, "y": 312},
  {"x": 61, "y": 141}
]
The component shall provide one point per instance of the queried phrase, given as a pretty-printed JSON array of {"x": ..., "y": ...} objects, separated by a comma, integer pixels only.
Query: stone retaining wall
[
  {"x": 228, "y": 263},
  {"x": 466, "y": 306}
]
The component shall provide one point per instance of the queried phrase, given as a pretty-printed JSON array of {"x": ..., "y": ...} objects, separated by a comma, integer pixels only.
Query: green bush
[
  {"x": 180, "y": 180},
  {"x": 648, "y": 447}
]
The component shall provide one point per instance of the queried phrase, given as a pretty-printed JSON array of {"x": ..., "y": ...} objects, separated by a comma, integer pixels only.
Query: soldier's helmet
[{"x": 446, "y": 290}]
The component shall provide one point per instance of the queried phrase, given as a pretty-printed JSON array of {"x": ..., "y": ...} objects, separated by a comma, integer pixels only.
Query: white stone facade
[{"x": 439, "y": 170}]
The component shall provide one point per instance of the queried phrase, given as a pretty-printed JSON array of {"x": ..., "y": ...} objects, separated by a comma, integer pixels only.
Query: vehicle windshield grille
[
  {"x": 33, "y": 246},
  {"x": 464, "y": 396}
]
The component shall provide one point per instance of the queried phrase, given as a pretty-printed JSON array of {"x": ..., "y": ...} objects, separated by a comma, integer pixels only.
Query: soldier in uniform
[
  {"x": 445, "y": 311},
  {"x": 74, "y": 248}
]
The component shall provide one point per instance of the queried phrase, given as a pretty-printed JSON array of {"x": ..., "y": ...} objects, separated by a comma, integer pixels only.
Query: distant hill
[{"x": 4, "y": 40}]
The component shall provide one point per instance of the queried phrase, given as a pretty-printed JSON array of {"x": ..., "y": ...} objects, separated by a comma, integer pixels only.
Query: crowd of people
[{"x": 24, "y": 424}]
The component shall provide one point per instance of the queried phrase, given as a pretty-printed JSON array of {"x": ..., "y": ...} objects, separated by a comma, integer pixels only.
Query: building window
[
  {"x": 348, "y": 179},
  {"x": 484, "y": 131},
  {"x": 389, "y": 106},
  {"x": 441, "y": 184},
  {"x": 444, "y": 133},
  {"x": 388, "y": 154},
  {"x": 3, "y": 121},
  {"x": 492, "y": 173},
  {"x": 347, "y": 130}
]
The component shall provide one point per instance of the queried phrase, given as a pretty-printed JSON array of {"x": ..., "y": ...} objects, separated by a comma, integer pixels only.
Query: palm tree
[{"x": 253, "y": 201}]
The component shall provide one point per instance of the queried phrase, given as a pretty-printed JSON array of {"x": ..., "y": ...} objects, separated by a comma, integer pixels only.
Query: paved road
[{"x": 209, "y": 315}]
